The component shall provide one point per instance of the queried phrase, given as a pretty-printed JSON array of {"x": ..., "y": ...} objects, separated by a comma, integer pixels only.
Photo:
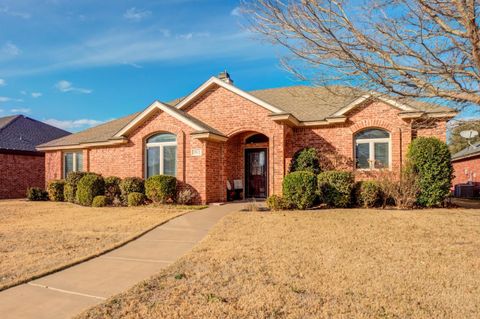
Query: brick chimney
[{"x": 224, "y": 76}]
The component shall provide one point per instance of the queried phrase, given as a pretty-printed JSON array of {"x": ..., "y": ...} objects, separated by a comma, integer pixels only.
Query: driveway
[{"x": 70, "y": 291}]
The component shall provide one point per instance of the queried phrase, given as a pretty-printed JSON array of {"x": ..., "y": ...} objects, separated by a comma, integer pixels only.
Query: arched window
[
  {"x": 372, "y": 149},
  {"x": 161, "y": 153}
]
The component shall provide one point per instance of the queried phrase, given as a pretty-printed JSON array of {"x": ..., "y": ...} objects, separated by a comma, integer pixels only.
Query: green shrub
[
  {"x": 430, "y": 159},
  {"x": 135, "y": 199},
  {"x": 37, "y": 194},
  {"x": 335, "y": 188},
  {"x": 306, "y": 160},
  {"x": 160, "y": 188},
  {"x": 112, "y": 188},
  {"x": 299, "y": 189},
  {"x": 100, "y": 201},
  {"x": 368, "y": 194},
  {"x": 55, "y": 190},
  {"x": 70, "y": 188},
  {"x": 88, "y": 187},
  {"x": 276, "y": 202},
  {"x": 131, "y": 184}
]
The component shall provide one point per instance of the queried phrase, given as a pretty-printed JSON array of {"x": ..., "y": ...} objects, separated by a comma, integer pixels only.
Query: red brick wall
[
  {"x": 463, "y": 169},
  {"x": 236, "y": 118},
  {"x": 19, "y": 172},
  {"x": 53, "y": 165},
  {"x": 336, "y": 142},
  {"x": 232, "y": 114}
]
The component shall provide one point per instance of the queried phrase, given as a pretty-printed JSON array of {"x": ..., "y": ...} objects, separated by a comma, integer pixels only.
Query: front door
[{"x": 256, "y": 172}]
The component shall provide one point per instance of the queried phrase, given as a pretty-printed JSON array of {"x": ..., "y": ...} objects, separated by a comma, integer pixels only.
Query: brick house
[
  {"x": 466, "y": 165},
  {"x": 220, "y": 135},
  {"x": 21, "y": 165}
]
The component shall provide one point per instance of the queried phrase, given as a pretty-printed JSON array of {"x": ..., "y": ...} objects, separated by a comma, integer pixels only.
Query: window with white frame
[
  {"x": 72, "y": 162},
  {"x": 372, "y": 149},
  {"x": 161, "y": 155}
]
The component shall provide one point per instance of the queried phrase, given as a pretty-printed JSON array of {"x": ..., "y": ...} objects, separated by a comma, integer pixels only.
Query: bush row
[
  {"x": 90, "y": 189},
  {"x": 338, "y": 189}
]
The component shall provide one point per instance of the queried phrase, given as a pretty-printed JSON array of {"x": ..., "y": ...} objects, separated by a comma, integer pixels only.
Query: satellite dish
[{"x": 468, "y": 134}]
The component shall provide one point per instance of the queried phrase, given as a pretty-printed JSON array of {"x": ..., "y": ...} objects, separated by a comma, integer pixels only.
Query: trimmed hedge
[
  {"x": 88, "y": 187},
  {"x": 368, "y": 194},
  {"x": 161, "y": 188},
  {"x": 430, "y": 160},
  {"x": 100, "y": 201},
  {"x": 112, "y": 188},
  {"x": 55, "y": 190},
  {"x": 335, "y": 188},
  {"x": 135, "y": 199},
  {"x": 70, "y": 188},
  {"x": 37, "y": 194},
  {"x": 306, "y": 160},
  {"x": 299, "y": 189},
  {"x": 276, "y": 202},
  {"x": 131, "y": 185}
]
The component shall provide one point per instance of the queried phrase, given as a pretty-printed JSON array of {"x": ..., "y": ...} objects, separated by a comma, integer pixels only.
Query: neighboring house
[
  {"x": 466, "y": 165},
  {"x": 221, "y": 133},
  {"x": 21, "y": 165}
]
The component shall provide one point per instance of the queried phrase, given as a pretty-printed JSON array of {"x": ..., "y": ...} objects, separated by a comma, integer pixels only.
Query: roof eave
[
  {"x": 418, "y": 114},
  {"x": 209, "y": 136},
  {"x": 285, "y": 118},
  {"x": 467, "y": 156},
  {"x": 113, "y": 142}
]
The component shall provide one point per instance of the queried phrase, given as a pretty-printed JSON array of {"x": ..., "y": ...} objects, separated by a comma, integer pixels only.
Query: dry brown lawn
[
  {"x": 39, "y": 237},
  {"x": 323, "y": 264}
]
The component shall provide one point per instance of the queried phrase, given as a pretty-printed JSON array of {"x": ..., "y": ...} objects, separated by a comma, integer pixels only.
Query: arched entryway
[{"x": 248, "y": 165}]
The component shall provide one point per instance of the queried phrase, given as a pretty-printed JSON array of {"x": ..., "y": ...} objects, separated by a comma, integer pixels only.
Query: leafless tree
[{"x": 428, "y": 49}]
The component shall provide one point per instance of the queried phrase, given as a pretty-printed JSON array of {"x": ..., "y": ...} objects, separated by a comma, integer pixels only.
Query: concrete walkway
[{"x": 70, "y": 291}]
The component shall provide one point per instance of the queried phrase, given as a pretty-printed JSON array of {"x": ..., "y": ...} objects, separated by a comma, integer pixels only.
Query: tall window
[
  {"x": 372, "y": 149},
  {"x": 161, "y": 152},
  {"x": 72, "y": 162}
]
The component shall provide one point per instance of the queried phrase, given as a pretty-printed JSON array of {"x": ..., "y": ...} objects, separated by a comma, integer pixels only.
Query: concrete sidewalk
[{"x": 70, "y": 291}]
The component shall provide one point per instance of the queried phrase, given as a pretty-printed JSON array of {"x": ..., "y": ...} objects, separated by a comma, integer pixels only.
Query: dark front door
[{"x": 256, "y": 172}]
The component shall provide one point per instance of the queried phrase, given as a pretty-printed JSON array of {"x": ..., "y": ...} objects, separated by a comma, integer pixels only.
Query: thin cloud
[
  {"x": 134, "y": 14},
  {"x": 36, "y": 94},
  {"x": 6, "y": 11},
  {"x": 66, "y": 86},
  {"x": 10, "y": 49},
  {"x": 20, "y": 110},
  {"x": 3, "y": 82},
  {"x": 4, "y": 99},
  {"x": 237, "y": 11},
  {"x": 146, "y": 46},
  {"x": 73, "y": 125}
]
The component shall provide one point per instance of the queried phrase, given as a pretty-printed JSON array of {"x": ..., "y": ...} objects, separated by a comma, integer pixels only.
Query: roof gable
[
  {"x": 194, "y": 123},
  {"x": 371, "y": 96},
  {"x": 216, "y": 81}
]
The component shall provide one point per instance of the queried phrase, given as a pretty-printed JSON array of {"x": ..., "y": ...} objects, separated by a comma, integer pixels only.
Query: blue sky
[{"x": 78, "y": 63}]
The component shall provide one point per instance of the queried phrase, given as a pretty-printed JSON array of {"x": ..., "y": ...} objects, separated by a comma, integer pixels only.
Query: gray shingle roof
[
  {"x": 308, "y": 103},
  {"x": 99, "y": 133},
  {"x": 21, "y": 133},
  {"x": 304, "y": 102},
  {"x": 469, "y": 151}
]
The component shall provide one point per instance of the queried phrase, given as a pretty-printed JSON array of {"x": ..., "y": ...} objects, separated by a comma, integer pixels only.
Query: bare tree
[{"x": 427, "y": 49}]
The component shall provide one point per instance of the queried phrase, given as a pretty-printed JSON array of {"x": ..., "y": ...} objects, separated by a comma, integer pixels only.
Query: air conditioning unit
[{"x": 464, "y": 190}]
